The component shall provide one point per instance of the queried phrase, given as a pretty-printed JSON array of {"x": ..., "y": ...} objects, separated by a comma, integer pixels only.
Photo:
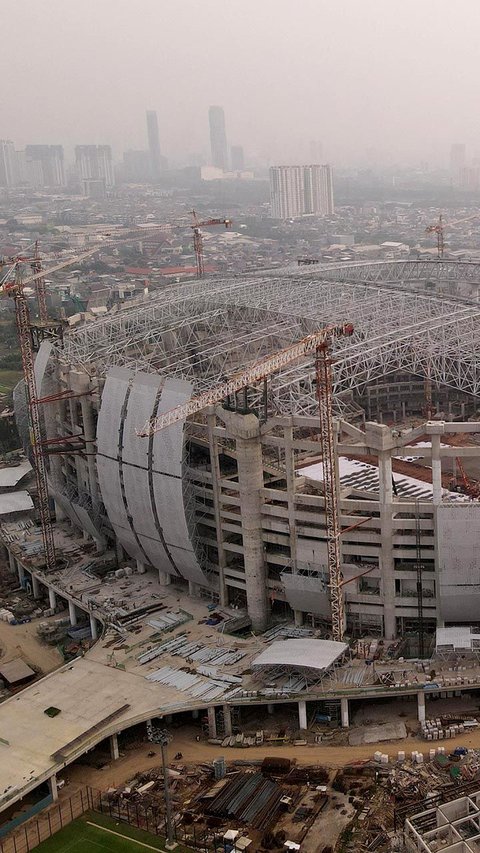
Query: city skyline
[{"x": 390, "y": 107}]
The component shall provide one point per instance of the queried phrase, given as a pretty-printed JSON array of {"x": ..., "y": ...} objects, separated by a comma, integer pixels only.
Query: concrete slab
[{"x": 376, "y": 734}]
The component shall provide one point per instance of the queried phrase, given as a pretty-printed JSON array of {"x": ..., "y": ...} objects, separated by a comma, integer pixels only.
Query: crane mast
[
  {"x": 198, "y": 240},
  {"x": 323, "y": 370},
  {"x": 40, "y": 287},
  {"x": 22, "y": 316}
]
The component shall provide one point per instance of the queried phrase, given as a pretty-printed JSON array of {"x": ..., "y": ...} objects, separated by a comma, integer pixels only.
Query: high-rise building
[
  {"x": 457, "y": 159},
  {"x": 157, "y": 162},
  {"x": 237, "y": 158},
  {"x": 94, "y": 163},
  {"x": 218, "y": 138},
  {"x": 299, "y": 190},
  {"x": 7, "y": 163},
  {"x": 318, "y": 188},
  {"x": 48, "y": 158}
]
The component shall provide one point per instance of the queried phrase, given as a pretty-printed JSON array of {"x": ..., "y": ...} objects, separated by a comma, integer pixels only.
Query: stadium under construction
[{"x": 228, "y": 503}]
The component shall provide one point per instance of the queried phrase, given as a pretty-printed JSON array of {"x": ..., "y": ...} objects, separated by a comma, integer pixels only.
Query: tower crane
[
  {"x": 22, "y": 317},
  {"x": 198, "y": 241},
  {"x": 13, "y": 284},
  {"x": 439, "y": 227},
  {"x": 319, "y": 344}
]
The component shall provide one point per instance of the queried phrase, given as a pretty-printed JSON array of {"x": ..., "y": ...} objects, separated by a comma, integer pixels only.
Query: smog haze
[{"x": 373, "y": 80}]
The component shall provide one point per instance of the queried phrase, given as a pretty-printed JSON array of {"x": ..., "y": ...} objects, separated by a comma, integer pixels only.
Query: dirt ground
[
  {"x": 193, "y": 752},
  {"x": 22, "y": 641}
]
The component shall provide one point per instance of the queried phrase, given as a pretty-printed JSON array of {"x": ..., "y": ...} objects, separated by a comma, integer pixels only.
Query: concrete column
[
  {"x": 192, "y": 589},
  {"x": 386, "y": 525},
  {"x": 436, "y": 470},
  {"x": 114, "y": 751},
  {"x": 217, "y": 501},
  {"x": 72, "y": 613},
  {"x": 195, "y": 714},
  {"x": 164, "y": 578},
  {"x": 421, "y": 706},
  {"x": 246, "y": 431},
  {"x": 298, "y": 618},
  {"x": 302, "y": 715},
  {"x": 21, "y": 573},
  {"x": 271, "y": 708},
  {"x": 94, "y": 627},
  {"x": 227, "y": 720},
  {"x": 35, "y": 587},
  {"x": 291, "y": 489},
  {"x": 52, "y": 784},
  {"x": 344, "y": 713},
  {"x": 212, "y": 722},
  {"x": 52, "y": 598}
]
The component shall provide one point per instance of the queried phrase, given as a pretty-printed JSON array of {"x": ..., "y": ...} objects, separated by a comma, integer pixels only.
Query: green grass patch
[{"x": 94, "y": 833}]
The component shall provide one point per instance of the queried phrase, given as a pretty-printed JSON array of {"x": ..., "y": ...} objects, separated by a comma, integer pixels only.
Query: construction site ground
[{"x": 22, "y": 641}]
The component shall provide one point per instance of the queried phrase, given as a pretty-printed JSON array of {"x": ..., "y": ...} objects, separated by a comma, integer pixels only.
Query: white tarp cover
[{"x": 302, "y": 654}]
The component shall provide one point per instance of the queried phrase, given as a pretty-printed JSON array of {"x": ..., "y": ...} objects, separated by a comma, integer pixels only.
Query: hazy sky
[{"x": 401, "y": 77}]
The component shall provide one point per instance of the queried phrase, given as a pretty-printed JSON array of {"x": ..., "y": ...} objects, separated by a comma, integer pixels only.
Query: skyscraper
[
  {"x": 298, "y": 190},
  {"x": 48, "y": 158},
  {"x": 218, "y": 138},
  {"x": 157, "y": 162},
  {"x": 237, "y": 158},
  {"x": 94, "y": 163},
  {"x": 7, "y": 163},
  {"x": 318, "y": 189}
]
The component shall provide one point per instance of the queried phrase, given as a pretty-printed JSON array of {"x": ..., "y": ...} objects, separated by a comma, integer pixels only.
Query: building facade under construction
[{"x": 229, "y": 501}]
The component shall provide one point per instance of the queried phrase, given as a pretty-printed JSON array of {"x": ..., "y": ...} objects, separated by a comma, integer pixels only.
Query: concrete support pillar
[
  {"x": 94, "y": 627},
  {"x": 164, "y": 578},
  {"x": 72, "y": 613},
  {"x": 114, "y": 750},
  {"x": 246, "y": 431},
  {"x": 271, "y": 708},
  {"x": 436, "y": 470},
  {"x": 35, "y": 587},
  {"x": 291, "y": 490},
  {"x": 344, "y": 713},
  {"x": 298, "y": 618},
  {"x": 52, "y": 784},
  {"x": 421, "y": 706},
  {"x": 52, "y": 598},
  {"x": 227, "y": 720},
  {"x": 192, "y": 589},
  {"x": 386, "y": 523},
  {"x": 195, "y": 714},
  {"x": 217, "y": 501},
  {"x": 21, "y": 573},
  {"x": 302, "y": 715},
  {"x": 212, "y": 722}
]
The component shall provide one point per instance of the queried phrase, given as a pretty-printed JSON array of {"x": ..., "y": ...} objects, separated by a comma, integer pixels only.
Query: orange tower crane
[
  {"x": 439, "y": 227},
  {"x": 318, "y": 344},
  {"x": 198, "y": 241},
  {"x": 22, "y": 316}
]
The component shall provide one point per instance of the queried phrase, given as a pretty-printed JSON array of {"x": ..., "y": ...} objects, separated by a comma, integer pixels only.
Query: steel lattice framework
[{"x": 417, "y": 316}]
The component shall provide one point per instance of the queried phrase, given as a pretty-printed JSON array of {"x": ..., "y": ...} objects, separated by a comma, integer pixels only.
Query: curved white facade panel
[{"x": 141, "y": 479}]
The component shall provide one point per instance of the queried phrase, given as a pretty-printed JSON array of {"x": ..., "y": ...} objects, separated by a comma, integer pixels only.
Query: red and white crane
[
  {"x": 198, "y": 240},
  {"x": 318, "y": 344}
]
